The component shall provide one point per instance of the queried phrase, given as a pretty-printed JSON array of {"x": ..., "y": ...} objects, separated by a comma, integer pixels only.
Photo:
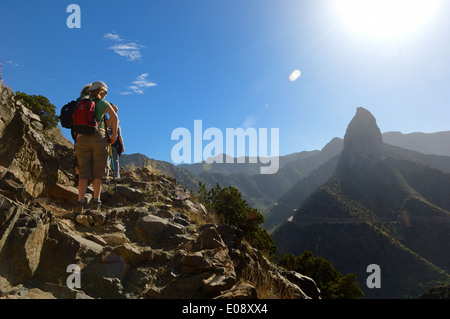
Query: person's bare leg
[
  {"x": 82, "y": 186},
  {"x": 97, "y": 187}
]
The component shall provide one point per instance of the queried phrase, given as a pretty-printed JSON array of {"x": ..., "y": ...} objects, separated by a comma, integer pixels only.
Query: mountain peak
[{"x": 362, "y": 142}]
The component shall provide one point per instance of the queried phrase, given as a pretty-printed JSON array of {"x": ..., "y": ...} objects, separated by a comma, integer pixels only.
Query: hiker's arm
[
  {"x": 115, "y": 108},
  {"x": 114, "y": 121}
]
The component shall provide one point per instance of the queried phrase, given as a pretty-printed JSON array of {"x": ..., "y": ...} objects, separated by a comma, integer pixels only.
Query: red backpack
[{"x": 84, "y": 117}]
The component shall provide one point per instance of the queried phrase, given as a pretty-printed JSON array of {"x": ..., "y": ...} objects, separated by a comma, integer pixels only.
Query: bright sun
[{"x": 386, "y": 18}]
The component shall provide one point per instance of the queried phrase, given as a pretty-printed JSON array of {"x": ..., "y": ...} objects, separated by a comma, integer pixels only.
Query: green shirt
[{"x": 100, "y": 110}]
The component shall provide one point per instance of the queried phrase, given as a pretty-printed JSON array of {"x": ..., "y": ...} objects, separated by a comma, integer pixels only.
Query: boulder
[
  {"x": 195, "y": 263},
  {"x": 209, "y": 238},
  {"x": 152, "y": 229},
  {"x": 21, "y": 252},
  {"x": 64, "y": 192},
  {"x": 131, "y": 254},
  {"x": 132, "y": 195}
]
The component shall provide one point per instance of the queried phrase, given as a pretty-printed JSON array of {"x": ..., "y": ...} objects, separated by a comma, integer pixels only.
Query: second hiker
[{"x": 92, "y": 149}]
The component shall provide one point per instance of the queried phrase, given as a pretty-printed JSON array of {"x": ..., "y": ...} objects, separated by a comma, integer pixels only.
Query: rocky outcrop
[
  {"x": 363, "y": 142},
  {"x": 37, "y": 157}
]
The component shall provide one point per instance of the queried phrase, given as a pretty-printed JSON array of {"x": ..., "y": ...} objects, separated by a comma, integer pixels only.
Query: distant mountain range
[
  {"x": 269, "y": 193},
  {"x": 426, "y": 143},
  {"x": 381, "y": 205}
]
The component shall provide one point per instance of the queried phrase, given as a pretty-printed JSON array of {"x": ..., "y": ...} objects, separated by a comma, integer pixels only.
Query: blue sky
[{"x": 227, "y": 63}]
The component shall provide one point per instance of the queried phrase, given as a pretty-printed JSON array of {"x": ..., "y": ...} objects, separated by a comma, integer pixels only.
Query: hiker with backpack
[
  {"x": 92, "y": 140},
  {"x": 84, "y": 93}
]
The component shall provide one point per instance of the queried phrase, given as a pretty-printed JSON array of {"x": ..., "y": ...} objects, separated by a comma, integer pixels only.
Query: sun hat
[{"x": 98, "y": 84}]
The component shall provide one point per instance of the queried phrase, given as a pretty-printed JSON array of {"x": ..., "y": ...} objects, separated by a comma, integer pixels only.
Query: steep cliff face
[
  {"x": 157, "y": 243},
  {"x": 37, "y": 157}
]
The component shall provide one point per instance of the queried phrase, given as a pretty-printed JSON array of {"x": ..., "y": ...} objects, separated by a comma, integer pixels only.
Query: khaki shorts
[{"x": 92, "y": 155}]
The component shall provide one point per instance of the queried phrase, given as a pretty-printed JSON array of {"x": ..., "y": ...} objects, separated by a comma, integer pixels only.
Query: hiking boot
[
  {"x": 81, "y": 205},
  {"x": 96, "y": 204}
]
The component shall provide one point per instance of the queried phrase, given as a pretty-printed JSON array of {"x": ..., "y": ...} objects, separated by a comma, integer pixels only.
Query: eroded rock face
[{"x": 38, "y": 157}]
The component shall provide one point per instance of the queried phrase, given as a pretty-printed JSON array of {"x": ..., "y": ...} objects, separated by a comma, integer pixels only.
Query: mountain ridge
[{"x": 376, "y": 209}]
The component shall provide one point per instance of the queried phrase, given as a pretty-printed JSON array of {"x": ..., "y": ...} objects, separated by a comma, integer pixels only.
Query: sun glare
[{"x": 386, "y": 18}]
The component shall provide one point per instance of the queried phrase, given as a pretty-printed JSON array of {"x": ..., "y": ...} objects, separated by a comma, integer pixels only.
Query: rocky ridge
[{"x": 157, "y": 243}]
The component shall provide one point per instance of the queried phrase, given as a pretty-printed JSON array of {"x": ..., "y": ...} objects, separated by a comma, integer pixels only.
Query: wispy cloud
[
  {"x": 139, "y": 85},
  {"x": 112, "y": 36},
  {"x": 13, "y": 63},
  {"x": 130, "y": 50}
]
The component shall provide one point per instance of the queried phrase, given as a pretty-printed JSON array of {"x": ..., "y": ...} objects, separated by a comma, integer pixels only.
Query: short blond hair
[{"x": 84, "y": 91}]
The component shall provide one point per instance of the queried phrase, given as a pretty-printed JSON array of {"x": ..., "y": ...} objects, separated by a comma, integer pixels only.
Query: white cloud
[
  {"x": 130, "y": 50},
  {"x": 139, "y": 85},
  {"x": 142, "y": 82},
  {"x": 112, "y": 36}
]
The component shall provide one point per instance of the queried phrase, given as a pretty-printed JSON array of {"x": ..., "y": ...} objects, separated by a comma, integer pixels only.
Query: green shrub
[
  {"x": 332, "y": 283},
  {"x": 228, "y": 204},
  {"x": 41, "y": 106}
]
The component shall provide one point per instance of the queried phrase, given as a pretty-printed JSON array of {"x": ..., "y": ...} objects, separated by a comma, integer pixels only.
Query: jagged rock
[
  {"x": 21, "y": 292},
  {"x": 4, "y": 286},
  {"x": 156, "y": 230},
  {"x": 209, "y": 238},
  {"x": 181, "y": 219},
  {"x": 63, "y": 247},
  {"x": 9, "y": 213},
  {"x": 38, "y": 157},
  {"x": 12, "y": 187},
  {"x": 163, "y": 213},
  {"x": 85, "y": 220},
  {"x": 21, "y": 253},
  {"x": 231, "y": 235},
  {"x": 132, "y": 195},
  {"x": 216, "y": 284},
  {"x": 65, "y": 192},
  {"x": 307, "y": 285},
  {"x": 61, "y": 292},
  {"x": 241, "y": 290},
  {"x": 98, "y": 217},
  {"x": 131, "y": 254},
  {"x": 115, "y": 239},
  {"x": 96, "y": 239},
  {"x": 195, "y": 263}
]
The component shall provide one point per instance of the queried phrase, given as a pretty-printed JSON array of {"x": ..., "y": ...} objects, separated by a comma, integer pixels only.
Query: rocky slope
[{"x": 151, "y": 240}]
